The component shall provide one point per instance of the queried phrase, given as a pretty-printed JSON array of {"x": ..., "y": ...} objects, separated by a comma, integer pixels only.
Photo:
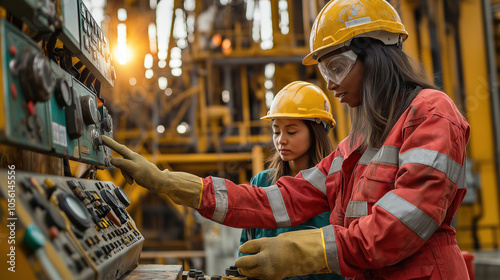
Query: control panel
[
  {"x": 83, "y": 36},
  {"x": 27, "y": 84},
  {"x": 69, "y": 228},
  {"x": 40, "y": 15},
  {"x": 45, "y": 108}
]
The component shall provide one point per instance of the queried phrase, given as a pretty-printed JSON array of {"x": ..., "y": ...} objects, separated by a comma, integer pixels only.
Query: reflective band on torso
[
  {"x": 278, "y": 206},
  {"x": 221, "y": 200},
  {"x": 367, "y": 156},
  {"x": 415, "y": 219},
  {"x": 356, "y": 209}
]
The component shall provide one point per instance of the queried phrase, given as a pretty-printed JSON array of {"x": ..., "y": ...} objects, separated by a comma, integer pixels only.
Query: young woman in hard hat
[
  {"x": 300, "y": 120},
  {"x": 393, "y": 185}
]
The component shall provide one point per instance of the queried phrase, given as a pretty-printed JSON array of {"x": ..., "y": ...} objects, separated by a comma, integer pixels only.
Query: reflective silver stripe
[
  {"x": 356, "y": 209},
  {"x": 462, "y": 180},
  {"x": 221, "y": 200},
  {"x": 433, "y": 159},
  {"x": 336, "y": 165},
  {"x": 367, "y": 156},
  {"x": 316, "y": 178},
  {"x": 278, "y": 206},
  {"x": 414, "y": 218},
  {"x": 387, "y": 154},
  {"x": 332, "y": 256}
]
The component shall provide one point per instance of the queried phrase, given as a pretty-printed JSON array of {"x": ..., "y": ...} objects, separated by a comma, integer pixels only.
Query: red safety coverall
[{"x": 391, "y": 207}]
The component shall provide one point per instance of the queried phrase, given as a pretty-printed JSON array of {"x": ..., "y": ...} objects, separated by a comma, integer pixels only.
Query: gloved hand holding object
[
  {"x": 288, "y": 254},
  {"x": 183, "y": 188}
]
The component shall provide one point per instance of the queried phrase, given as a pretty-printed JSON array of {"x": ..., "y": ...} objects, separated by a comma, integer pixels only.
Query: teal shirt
[{"x": 323, "y": 219}]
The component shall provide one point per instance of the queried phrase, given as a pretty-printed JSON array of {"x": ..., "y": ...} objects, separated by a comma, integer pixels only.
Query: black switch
[{"x": 74, "y": 118}]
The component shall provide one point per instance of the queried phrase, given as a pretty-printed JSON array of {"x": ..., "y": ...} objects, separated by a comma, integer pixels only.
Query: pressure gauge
[
  {"x": 64, "y": 93},
  {"x": 36, "y": 77},
  {"x": 75, "y": 211},
  {"x": 89, "y": 110}
]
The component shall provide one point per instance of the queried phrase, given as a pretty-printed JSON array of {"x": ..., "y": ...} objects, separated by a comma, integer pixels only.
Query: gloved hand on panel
[{"x": 183, "y": 188}]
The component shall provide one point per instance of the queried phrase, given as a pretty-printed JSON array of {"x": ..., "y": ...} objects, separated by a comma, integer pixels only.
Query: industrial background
[{"x": 184, "y": 83}]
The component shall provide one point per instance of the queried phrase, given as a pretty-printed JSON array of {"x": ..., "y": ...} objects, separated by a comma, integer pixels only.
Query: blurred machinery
[{"x": 54, "y": 224}]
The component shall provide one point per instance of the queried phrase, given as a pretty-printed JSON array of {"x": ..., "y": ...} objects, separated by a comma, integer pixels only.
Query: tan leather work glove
[
  {"x": 183, "y": 188},
  {"x": 292, "y": 253}
]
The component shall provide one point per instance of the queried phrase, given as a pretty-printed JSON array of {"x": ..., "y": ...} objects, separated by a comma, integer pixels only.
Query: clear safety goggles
[{"x": 336, "y": 67}]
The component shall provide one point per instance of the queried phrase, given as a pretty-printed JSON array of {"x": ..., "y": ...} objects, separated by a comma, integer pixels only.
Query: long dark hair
[
  {"x": 391, "y": 81},
  {"x": 321, "y": 146}
]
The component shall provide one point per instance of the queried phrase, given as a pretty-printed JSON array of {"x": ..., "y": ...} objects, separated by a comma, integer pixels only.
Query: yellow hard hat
[
  {"x": 341, "y": 20},
  {"x": 301, "y": 100}
]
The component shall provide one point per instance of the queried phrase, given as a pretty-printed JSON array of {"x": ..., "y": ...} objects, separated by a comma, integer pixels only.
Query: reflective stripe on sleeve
[
  {"x": 278, "y": 206},
  {"x": 316, "y": 178},
  {"x": 462, "y": 180},
  {"x": 221, "y": 200},
  {"x": 336, "y": 165},
  {"x": 332, "y": 256},
  {"x": 434, "y": 159},
  {"x": 417, "y": 220},
  {"x": 356, "y": 209}
]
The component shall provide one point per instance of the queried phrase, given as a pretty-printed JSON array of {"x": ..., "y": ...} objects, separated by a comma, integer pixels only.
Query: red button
[
  {"x": 13, "y": 90},
  {"x": 54, "y": 232},
  {"x": 112, "y": 216},
  {"x": 31, "y": 107},
  {"x": 13, "y": 50}
]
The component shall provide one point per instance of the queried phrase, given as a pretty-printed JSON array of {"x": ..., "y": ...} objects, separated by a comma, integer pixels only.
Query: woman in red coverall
[{"x": 393, "y": 185}]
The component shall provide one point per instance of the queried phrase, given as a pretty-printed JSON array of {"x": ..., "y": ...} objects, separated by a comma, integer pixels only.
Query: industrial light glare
[
  {"x": 160, "y": 128},
  {"x": 175, "y": 63},
  {"x": 268, "y": 84},
  {"x": 162, "y": 64},
  {"x": 121, "y": 30},
  {"x": 269, "y": 98},
  {"x": 175, "y": 52},
  {"x": 250, "y": 8},
  {"x": 121, "y": 14},
  {"x": 148, "y": 61},
  {"x": 226, "y": 96},
  {"x": 269, "y": 70},
  {"x": 152, "y": 31},
  {"x": 162, "y": 83},
  {"x": 283, "y": 5},
  {"x": 182, "y": 128},
  {"x": 182, "y": 43},
  {"x": 168, "y": 91},
  {"x": 162, "y": 55},
  {"x": 122, "y": 54},
  {"x": 226, "y": 44},
  {"x": 216, "y": 39},
  {"x": 132, "y": 81},
  {"x": 149, "y": 74},
  {"x": 152, "y": 4},
  {"x": 176, "y": 72},
  {"x": 189, "y": 5}
]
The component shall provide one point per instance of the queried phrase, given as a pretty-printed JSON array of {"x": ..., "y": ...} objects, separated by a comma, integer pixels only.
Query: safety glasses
[{"x": 336, "y": 67}]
